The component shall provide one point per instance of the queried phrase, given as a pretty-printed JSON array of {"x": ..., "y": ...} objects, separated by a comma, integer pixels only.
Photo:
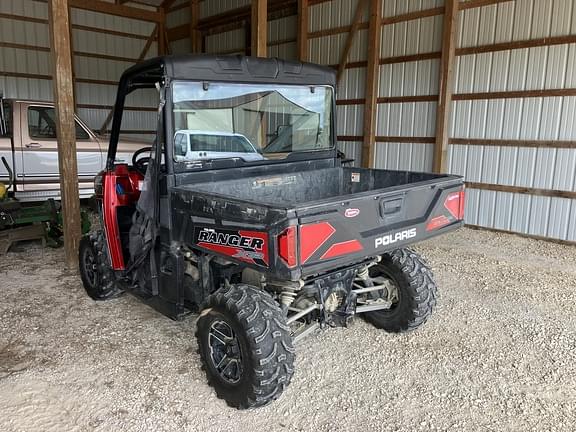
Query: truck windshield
[{"x": 252, "y": 122}]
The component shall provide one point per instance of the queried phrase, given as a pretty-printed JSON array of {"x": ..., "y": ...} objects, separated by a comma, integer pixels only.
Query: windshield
[{"x": 251, "y": 122}]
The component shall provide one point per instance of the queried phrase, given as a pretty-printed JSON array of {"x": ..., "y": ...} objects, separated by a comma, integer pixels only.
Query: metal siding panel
[
  {"x": 495, "y": 119},
  {"x": 520, "y": 213},
  {"x": 508, "y": 165},
  {"x": 559, "y": 222},
  {"x": 459, "y": 156},
  {"x": 503, "y": 210},
  {"x": 572, "y": 227},
  {"x": 523, "y": 19},
  {"x": 181, "y": 46},
  {"x": 478, "y": 119},
  {"x": 539, "y": 215},
  {"x": 562, "y": 17},
  {"x": 214, "y": 7},
  {"x": 567, "y": 130},
  {"x": 471, "y": 207},
  {"x": 474, "y": 163},
  {"x": 26, "y": 88},
  {"x": 486, "y": 208},
  {"x": 504, "y": 22},
  {"x": 518, "y": 69},
  {"x": 178, "y": 17},
  {"x": 536, "y": 71},
  {"x": 550, "y": 118},
  {"x": 499, "y": 73},
  {"x": 352, "y": 84},
  {"x": 564, "y": 170},
  {"x": 512, "y": 118},
  {"x": 352, "y": 150},
  {"x": 490, "y": 165},
  {"x": 526, "y": 163}
]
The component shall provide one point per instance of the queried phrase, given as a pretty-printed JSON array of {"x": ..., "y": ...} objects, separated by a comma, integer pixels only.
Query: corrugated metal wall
[
  {"x": 325, "y": 47},
  {"x": 281, "y": 31},
  {"x": 489, "y": 131},
  {"x": 408, "y": 89},
  {"x": 99, "y": 60},
  {"x": 533, "y": 118}
]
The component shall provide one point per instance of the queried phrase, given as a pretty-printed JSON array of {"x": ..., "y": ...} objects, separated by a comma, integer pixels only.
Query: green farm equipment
[{"x": 30, "y": 221}]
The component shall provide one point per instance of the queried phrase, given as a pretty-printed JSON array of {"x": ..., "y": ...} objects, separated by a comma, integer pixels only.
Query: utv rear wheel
[
  {"x": 413, "y": 292},
  {"x": 245, "y": 346},
  {"x": 95, "y": 273}
]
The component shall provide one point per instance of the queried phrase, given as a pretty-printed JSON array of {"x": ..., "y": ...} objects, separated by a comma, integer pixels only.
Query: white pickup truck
[{"x": 29, "y": 145}]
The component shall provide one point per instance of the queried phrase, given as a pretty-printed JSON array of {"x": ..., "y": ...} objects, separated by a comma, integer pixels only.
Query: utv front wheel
[
  {"x": 95, "y": 273},
  {"x": 412, "y": 291},
  {"x": 245, "y": 346}
]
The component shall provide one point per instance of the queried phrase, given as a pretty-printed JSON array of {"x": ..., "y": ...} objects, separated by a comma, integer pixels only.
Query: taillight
[
  {"x": 287, "y": 246},
  {"x": 455, "y": 204}
]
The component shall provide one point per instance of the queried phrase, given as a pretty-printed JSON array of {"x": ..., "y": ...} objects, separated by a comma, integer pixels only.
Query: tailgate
[{"x": 341, "y": 232}]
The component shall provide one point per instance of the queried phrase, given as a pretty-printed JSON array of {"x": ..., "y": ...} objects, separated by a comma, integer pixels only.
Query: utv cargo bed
[{"x": 310, "y": 221}]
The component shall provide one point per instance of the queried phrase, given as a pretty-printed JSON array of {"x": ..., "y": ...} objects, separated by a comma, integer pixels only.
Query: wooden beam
[
  {"x": 259, "y": 24},
  {"x": 63, "y": 85},
  {"x": 116, "y": 9},
  {"x": 446, "y": 85},
  {"x": 162, "y": 38},
  {"x": 195, "y": 34},
  {"x": 522, "y": 190},
  {"x": 522, "y": 44},
  {"x": 360, "y": 7},
  {"x": 302, "y": 37},
  {"x": 481, "y": 3},
  {"x": 519, "y": 94},
  {"x": 372, "y": 79},
  {"x": 566, "y": 144},
  {"x": 406, "y": 139}
]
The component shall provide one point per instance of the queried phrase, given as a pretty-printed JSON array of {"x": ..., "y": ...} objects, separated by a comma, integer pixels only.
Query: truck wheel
[
  {"x": 245, "y": 346},
  {"x": 415, "y": 292},
  {"x": 96, "y": 275}
]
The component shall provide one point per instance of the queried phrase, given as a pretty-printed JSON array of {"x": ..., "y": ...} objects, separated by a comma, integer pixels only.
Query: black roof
[{"x": 229, "y": 68}]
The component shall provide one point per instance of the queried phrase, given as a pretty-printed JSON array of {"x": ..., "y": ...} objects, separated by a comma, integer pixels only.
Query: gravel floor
[{"x": 499, "y": 354}]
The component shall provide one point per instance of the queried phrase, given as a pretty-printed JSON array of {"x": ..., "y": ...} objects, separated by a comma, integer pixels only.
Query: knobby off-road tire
[
  {"x": 417, "y": 292},
  {"x": 97, "y": 277},
  {"x": 262, "y": 338}
]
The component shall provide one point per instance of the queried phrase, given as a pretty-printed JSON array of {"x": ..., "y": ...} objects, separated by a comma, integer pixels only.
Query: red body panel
[{"x": 121, "y": 188}]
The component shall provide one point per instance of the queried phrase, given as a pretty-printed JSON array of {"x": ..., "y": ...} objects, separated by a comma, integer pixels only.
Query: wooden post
[
  {"x": 65, "y": 127},
  {"x": 259, "y": 24},
  {"x": 195, "y": 34},
  {"x": 372, "y": 78},
  {"x": 302, "y": 37},
  {"x": 72, "y": 53},
  {"x": 446, "y": 85},
  {"x": 162, "y": 49},
  {"x": 350, "y": 40}
]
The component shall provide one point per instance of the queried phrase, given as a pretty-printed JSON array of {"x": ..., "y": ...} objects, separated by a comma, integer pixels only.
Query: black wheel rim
[
  {"x": 225, "y": 353},
  {"x": 90, "y": 267}
]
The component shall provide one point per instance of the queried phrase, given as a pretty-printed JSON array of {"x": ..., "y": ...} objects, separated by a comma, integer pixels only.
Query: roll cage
[{"x": 159, "y": 72}]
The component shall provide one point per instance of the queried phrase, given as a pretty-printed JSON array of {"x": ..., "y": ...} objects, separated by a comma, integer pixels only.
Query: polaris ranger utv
[{"x": 242, "y": 212}]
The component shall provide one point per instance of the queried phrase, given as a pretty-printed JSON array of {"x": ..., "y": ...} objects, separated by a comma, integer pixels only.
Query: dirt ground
[{"x": 498, "y": 354}]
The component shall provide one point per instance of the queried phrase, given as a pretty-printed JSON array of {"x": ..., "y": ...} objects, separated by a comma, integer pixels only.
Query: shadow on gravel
[{"x": 14, "y": 358}]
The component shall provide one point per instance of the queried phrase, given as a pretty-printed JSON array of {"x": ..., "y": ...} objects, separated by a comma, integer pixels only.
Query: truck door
[
  {"x": 39, "y": 148},
  {"x": 8, "y": 118}
]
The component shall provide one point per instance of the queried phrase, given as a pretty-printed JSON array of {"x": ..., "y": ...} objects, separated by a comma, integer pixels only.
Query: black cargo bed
[{"x": 295, "y": 190}]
